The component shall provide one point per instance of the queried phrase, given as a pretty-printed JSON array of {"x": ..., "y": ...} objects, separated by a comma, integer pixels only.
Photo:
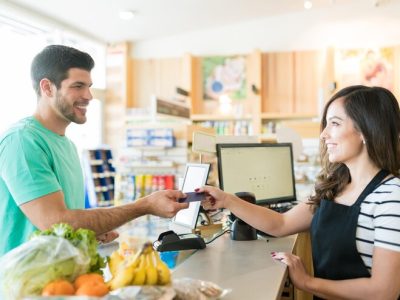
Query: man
[{"x": 41, "y": 181}]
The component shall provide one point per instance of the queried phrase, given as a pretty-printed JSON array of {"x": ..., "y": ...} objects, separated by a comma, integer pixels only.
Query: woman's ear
[
  {"x": 362, "y": 139},
  {"x": 46, "y": 87}
]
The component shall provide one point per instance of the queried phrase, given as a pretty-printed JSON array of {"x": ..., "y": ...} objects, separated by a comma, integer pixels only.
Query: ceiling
[{"x": 160, "y": 18}]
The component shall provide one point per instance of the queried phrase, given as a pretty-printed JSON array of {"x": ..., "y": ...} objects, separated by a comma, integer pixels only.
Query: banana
[
  {"x": 124, "y": 272},
  {"x": 164, "y": 273},
  {"x": 115, "y": 261},
  {"x": 151, "y": 271},
  {"x": 139, "y": 276},
  {"x": 147, "y": 248},
  {"x": 122, "y": 277}
]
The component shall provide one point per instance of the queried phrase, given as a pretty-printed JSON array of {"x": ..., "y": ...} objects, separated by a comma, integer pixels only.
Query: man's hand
[
  {"x": 107, "y": 237},
  {"x": 164, "y": 203}
]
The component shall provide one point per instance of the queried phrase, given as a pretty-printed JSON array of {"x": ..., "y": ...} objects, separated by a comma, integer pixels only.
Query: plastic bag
[
  {"x": 195, "y": 289},
  {"x": 26, "y": 269},
  {"x": 154, "y": 292}
]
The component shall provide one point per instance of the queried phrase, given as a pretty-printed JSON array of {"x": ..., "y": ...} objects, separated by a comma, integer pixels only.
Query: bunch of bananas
[{"x": 142, "y": 268}]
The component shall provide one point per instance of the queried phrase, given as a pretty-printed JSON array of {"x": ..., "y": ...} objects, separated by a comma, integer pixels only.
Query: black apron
[{"x": 333, "y": 237}]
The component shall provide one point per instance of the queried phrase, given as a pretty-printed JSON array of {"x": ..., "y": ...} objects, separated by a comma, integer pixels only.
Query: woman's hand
[
  {"x": 297, "y": 271},
  {"x": 215, "y": 198}
]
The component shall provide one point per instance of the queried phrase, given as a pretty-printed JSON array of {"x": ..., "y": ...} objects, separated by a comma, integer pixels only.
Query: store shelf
[
  {"x": 285, "y": 116},
  {"x": 217, "y": 117},
  {"x": 99, "y": 177}
]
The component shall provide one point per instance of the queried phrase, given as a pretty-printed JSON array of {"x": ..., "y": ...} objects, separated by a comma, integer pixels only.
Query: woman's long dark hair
[{"x": 376, "y": 115}]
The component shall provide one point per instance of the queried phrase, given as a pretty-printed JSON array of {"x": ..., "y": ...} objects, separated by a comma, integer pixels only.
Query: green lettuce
[
  {"x": 83, "y": 239},
  {"x": 57, "y": 253}
]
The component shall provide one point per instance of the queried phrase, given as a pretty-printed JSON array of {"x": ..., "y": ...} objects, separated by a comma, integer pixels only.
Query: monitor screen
[{"x": 263, "y": 169}]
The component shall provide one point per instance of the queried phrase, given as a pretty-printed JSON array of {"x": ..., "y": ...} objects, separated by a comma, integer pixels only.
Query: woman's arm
[{"x": 295, "y": 220}]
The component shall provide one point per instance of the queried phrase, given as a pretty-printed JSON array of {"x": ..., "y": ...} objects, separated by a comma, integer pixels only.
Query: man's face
[{"x": 73, "y": 97}]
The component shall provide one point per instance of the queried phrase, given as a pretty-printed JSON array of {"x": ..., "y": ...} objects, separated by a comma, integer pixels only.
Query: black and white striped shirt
[{"x": 379, "y": 220}]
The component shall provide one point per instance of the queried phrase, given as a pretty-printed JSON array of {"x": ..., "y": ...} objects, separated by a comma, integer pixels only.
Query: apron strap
[{"x": 372, "y": 185}]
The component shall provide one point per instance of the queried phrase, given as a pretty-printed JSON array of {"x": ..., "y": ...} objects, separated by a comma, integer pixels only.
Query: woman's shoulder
[
  {"x": 392, "y": 182},
  {"x": 389, "y": 189}
]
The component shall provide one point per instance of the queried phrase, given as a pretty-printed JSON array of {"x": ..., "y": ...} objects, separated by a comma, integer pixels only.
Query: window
[{"x": 20, "y": 42}]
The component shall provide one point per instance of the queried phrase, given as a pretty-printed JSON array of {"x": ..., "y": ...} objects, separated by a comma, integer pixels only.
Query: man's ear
[{"x": 46, "y": 87}]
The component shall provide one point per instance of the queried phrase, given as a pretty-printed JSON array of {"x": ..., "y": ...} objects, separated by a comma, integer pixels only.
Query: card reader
[{"x": 170, "y": 241}]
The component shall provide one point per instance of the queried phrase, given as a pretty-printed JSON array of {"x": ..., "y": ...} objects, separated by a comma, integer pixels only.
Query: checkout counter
[{"x": 245, "y": 267}]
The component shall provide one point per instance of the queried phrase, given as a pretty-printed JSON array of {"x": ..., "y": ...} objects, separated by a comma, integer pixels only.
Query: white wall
[{"x": 338, "y": 26}]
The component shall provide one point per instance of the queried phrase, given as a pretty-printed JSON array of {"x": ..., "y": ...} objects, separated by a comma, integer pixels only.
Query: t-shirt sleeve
[
  {"x": 26, "y": 168},
  {"x": 387, "y": 220}
]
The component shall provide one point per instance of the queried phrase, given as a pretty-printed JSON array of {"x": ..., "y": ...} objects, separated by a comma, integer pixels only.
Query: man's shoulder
[
  {"x": 24, "y": 128},
  {"x": 21, "y": 125}
]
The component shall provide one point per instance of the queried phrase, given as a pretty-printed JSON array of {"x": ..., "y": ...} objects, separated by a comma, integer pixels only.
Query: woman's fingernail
[
  {"x": 272, "y": 252},
  {"x": 196, "y": 190}
]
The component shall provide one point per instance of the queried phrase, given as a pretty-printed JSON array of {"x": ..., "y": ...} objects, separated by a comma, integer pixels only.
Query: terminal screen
[{"x": 263, "y": 169}]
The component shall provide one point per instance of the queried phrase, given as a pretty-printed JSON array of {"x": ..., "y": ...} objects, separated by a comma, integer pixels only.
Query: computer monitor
[{"x": 263, "y": 169}]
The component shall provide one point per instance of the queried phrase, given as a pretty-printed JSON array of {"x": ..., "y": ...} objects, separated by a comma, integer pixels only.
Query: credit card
[{"x": 192, "y": 197}]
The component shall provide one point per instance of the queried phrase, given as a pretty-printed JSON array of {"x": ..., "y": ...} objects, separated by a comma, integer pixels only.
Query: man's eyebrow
[{"x": 83, "y": 83}]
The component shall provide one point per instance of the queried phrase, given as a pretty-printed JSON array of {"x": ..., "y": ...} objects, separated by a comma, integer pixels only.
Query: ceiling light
[
  {"x": 307, "y": 4},
  {"x": 127, "y": 14}
]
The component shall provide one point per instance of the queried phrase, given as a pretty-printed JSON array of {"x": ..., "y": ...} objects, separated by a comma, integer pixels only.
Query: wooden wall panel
[
  {"x": 169, "y": 72},
  {"x": 277, "y": 82},
  {"x": 254, "y": 88},
  {"x": 144, "y": 81},
  {"x": 158, "y": 77},
  {"x": 197, "y": 87},
  {"x": 396, "y": 75},
  {"x": 118, "y": 95},
  {"x": 308, "y": 79}
]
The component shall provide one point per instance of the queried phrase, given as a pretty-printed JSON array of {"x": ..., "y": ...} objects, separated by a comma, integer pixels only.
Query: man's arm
[{"x": 50, "y": 209}]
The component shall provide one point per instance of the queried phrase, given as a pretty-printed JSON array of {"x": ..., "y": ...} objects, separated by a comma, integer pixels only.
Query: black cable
[{"x": 222, "y": 233}]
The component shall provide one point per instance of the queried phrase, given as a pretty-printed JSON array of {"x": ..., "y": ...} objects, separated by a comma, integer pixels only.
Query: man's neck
[{"x": 52, "y": 123}]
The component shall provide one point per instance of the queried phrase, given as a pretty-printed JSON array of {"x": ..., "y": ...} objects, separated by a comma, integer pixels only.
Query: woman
[{"x": 354, "y": 214}]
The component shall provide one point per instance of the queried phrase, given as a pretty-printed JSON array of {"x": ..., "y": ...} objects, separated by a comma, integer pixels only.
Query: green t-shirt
[{"x": 34, "y": 162}]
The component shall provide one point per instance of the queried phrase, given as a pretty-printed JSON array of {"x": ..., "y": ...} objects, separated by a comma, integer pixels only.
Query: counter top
[{"x": 246, "y": 267}]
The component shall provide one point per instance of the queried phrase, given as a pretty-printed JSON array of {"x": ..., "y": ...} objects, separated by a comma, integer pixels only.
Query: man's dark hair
[{"x": 54, "y": 62}]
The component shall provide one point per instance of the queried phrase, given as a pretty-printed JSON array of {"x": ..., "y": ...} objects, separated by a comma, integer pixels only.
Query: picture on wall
[
  {"x": 224, "y": 75},
  {"x": 370, "y": 67}
]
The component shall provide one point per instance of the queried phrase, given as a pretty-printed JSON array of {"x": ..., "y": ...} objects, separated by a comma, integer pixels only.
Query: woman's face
[{"x": 344, "y": 143}]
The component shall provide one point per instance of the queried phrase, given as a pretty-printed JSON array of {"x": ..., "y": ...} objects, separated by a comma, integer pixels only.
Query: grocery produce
[
  {"x": 85, "y": 278},
  {"x": 83, "y": 239},
  {"x": 91, "y": 284},
  {"x": 92, "y": 288},
  {"x": 114, "y": 261},
  {"x": 139, "y": 276},
  {"x": 28, "y": 268},
  {"x": 142, "y": 268},
  {"x": 58, "y": 287},
  {"x": 151, "y": 271},
  {"x": 123, "y": 275},
  {"x": 57, "y": 253},
  {"x": 164, "y": 274}
]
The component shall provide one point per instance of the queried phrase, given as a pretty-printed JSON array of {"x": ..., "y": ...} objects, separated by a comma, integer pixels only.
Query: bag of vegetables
[{"x": 59, "y": 252}]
